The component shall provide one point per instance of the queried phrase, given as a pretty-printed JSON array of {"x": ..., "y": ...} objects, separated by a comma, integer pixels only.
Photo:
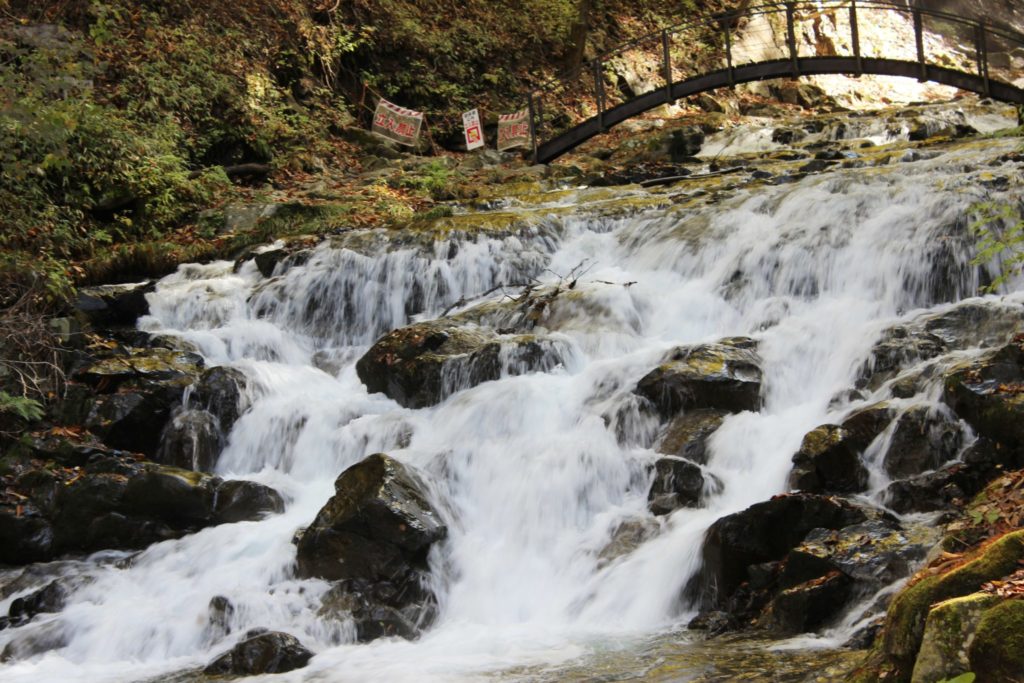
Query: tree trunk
[{"x": 578, "y": 34}]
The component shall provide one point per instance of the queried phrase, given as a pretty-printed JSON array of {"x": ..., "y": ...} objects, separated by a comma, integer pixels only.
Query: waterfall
[{"x": 527, "y": 470}]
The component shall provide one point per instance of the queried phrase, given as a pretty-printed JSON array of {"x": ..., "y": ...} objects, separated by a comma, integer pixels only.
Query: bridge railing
[{"x": 773, "y": 31}]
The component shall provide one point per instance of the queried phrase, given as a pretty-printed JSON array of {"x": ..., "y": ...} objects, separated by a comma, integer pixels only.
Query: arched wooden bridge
[{"x": 770, "y": 41}]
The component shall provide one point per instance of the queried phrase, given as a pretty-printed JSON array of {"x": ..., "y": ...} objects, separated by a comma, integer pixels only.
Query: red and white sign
[
  {"x": 474, "y": 131},
  {"x": 514, "y": 130},
  {"x": 397, "y": 123}
]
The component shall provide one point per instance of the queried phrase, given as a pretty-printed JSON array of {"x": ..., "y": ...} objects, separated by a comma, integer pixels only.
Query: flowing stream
[{"x": 530, "y": 472}]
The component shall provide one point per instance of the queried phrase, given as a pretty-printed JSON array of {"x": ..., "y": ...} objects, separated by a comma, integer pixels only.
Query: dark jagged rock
[
  {"x": 25, "y": 535},
  {"x": 267, "y": 260},
  {"x": 922, "y": 439},
  {"x": 114, "y": 305},
  {"x": 381, "y": 609},
  {"x": 953, "y": 484},
  {"x": 684, "y": 143},
  {"x": 677, "y": 483},
  {"x": 686, "y": 435},
  {"x": 968, "y": 324},
  {"x": 112, "y": 500},
  {"x": 192, "y": 440},
  {"x": 989, "y": 394},
  {"x": 807, "y": 606},
  {"x": 714, "y": 623},
  {"x": 724, "y": 376},
  {"x": 377, "y": 525},
  {"x": 261, "y": 652},
  {"x": 135, "y": 393},
  {"x": 222, "y": 391},
  {"x": 829, "y": 460},
  {"x": 762, "y": 533},
  {"x": 49, "y": 599},
  {"x": 865, "y": 424},
  {"x": 373, "y": 537},
  {"x": 220, "y": 611},
  {"x": 240, "y": 501},
  {"x": 873, "y": 553},
  {"x": 423, "y": 364}
]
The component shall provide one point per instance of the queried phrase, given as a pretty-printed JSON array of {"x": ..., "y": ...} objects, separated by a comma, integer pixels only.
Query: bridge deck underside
[{"x": 783, "y": 68}]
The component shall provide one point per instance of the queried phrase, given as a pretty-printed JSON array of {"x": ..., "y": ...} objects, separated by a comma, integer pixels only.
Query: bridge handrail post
[
  {"x": 533, "y": 126},
  {"x": 919, "y": 40},
  {"x": 855, "y": 37},
  {"x": 666, "y": 54},
  {"x": 791, "y": 37},
  {"x": 727, "y": 30},
  {"x": 981, "y": 53}
]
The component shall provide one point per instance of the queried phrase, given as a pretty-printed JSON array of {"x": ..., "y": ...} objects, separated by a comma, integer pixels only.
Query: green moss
[
  {"x": 948, "y": 631},
  {"x": 905, "y": 619},
  {"x": 997, "y": 653}
]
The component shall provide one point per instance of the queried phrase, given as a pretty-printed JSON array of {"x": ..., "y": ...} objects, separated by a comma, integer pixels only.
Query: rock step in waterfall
[{"x": 465, "y": 443}]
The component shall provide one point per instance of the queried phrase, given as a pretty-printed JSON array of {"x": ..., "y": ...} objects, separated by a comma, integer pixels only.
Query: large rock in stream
[
  {"x": 372, "y": 538},
  {"x": 261, "y": 652},
  {"x": 988, "y": 393},
  {"x": 764, "y": 532},
  {"x": 423, "y": 364},
  {"x": 87, "y": 499},
  {"x": 725, "y": 376}
]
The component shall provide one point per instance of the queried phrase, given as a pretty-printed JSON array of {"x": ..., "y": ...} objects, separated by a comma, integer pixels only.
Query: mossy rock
[
  {"x": 725, "y": 375},
  {"x": 421, "y": 365},
  {"x": 997, "y": 653},
  {"x": 829, "y": 460},
  {"x": 905, "y": 620},
  {"x": 948, "y": 631}
]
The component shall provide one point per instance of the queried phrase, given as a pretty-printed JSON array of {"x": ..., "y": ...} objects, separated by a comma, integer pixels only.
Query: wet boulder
[
  {"x": 134, "y": 394},
  {"x": 988, "y": 393},
  {"x": 922, "y": 438},
  {"x": 764, "y": 532},
  {"x": 809, "y": 605},
  {"x": 864, "y": 425},
  {"x": 723, "y": 376},
  {"x": 238, "y": 500},
  {"x": 829, "y": 460},
  {"x": 261, "y": 652},
  {"x": 48, "y": 599},
  {"x": 192, "y": 440},
  {"x": 627, "y": 537},
  {"x": 873, "y": 554},
  {"x": 423, "y": 364},
  {"x": 377, "y": 526},
  {"x": 382, "y": 609},
  {"x": 114, "y": 501},
  {"x": 686, "y": 435},
  {"x": 223, "y": 392},
  {"x": 678, "y": 483},
  {"x": 950, "y": 485},
  {"x": 965, "y": 325},
  {"x": 131, "y": 366},
  {"x": 25, "y": 534},
  {"x": 114, "y": 305}
]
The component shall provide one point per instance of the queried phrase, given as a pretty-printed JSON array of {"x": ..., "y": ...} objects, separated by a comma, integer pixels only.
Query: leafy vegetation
[{"x": 1000, "y": 232}]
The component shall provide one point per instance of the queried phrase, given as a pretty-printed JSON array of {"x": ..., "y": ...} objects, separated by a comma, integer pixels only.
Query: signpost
[
  {"x": 514, "y": 130},
  {"x": 474, "y": 131},
  {"x": 397, "y": 123}
]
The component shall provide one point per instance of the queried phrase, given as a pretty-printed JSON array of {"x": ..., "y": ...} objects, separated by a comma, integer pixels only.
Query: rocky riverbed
[{"x": 675, "y": 404}]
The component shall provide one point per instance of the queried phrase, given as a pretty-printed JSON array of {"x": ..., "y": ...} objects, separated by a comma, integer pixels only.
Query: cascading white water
[{"x": 530, "y": 478}]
